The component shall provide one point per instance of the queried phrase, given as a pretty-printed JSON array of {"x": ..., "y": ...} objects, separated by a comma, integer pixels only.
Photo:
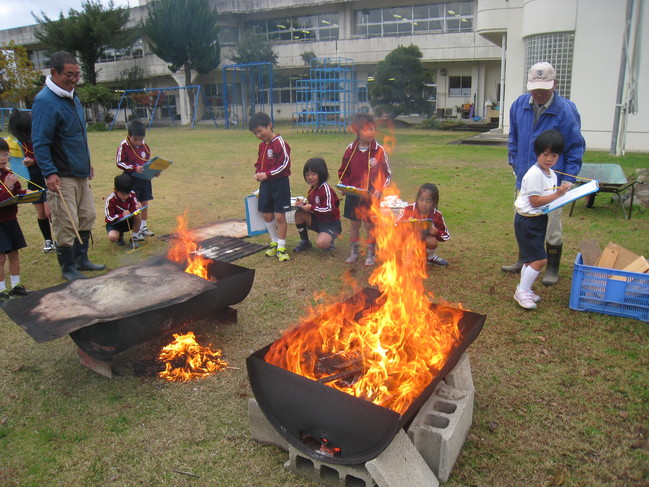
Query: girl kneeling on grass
[
  {"x": 320, "y": 211},
  {"x": 424, "y": 211}
]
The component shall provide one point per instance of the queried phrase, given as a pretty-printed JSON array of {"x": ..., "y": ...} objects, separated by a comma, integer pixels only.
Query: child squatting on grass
[
  {"x": 320, "y": 211},
  {"x": 364, "y": 168},
  {"x": 11, "y": 236},
  {"x": 133, "y": 153},
  {"x": 122, "y": 203},
  {"x": 272, "y": 169},
  {"x": 538, "y": 188},
  {"x": 423, "y": 214}
]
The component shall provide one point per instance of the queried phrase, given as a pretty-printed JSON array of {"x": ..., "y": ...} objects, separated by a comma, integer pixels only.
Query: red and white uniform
[
  {"x": 274, "y": 159},
  {"x": 325, "y": 203},
  {"x": 365, "y": 169},
  {"x": 114, "y": 208},
  {"x": 129, "y": 157},
  {"x": 8, "y": 213},
  {"x": 411, "y": 212}
]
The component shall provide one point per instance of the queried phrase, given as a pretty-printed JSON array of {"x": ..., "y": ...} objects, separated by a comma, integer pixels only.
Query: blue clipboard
[
  {"x": 572, "y": 195},
  {"x": 152, "y": 168},
  {"x": 16, "y": 156},
  {"x": 131, "y": 215}
]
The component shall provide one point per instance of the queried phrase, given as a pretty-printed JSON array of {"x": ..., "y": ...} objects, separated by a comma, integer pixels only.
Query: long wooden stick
[{"x": 67, "y": 210}]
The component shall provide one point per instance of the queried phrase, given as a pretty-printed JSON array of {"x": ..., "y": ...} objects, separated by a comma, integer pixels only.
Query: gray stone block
[
  {"x": 441, "y": 426},
  {"x": 460, "y": 377},
  {"x": 260, "y": 428},
  {"x": 327, "y": 473},
  {"x": 401, "y": 465}
]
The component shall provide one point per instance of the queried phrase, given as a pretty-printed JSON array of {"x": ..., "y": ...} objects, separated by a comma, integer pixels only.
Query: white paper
[{"x": 572, "y": 195}]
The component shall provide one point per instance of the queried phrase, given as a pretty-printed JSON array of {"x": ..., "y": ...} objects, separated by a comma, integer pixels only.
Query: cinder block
[
  {"x": 327, "y": 473},
  {"x": 441, "y": 426},
  {"x": 260, "y": 428},
  {"x": 460, "y": 376},
  {"x": 401, "y": 465}
]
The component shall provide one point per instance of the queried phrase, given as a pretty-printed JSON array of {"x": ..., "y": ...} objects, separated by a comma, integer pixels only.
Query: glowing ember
[
  {"x": 386, "y": 352},
  {"x": 185, "y": 359},
  {"x": 184, "y": 249}
]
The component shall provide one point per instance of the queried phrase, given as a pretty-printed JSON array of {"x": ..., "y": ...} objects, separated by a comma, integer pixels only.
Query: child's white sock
[
  {"x": 528, "y": 276},
  {"x": 142, "y": 223},
  {"x": 271, "y": 226},
  {"x": 15, "y": 280},
  {"x": 430, "y": 253},
  {"x": 281, "y": 243}
]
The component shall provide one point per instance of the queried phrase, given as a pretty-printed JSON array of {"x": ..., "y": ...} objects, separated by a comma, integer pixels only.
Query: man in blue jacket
[
  {"x": 61, "y": 149},
  {"x": 531, "y": 114}
]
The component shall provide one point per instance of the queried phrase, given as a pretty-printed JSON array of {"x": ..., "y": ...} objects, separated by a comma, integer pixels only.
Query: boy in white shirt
[{"x": 538, "y": 189}]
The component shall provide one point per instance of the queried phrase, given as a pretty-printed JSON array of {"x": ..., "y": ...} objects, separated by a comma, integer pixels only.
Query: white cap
[{"x": 540, "y": 77}]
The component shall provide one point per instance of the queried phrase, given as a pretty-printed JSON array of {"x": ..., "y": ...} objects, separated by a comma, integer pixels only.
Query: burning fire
[
  {"x": 185, "y": 359},
  {"x": 385, "y": 352},
  {"x": 184, "y": 249}
]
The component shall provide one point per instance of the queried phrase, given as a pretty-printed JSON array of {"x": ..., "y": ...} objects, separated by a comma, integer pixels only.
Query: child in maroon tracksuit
[
  {"x": 424, "y": 213},
  {"x": 365, "y": 168},
  {"x": 320, "y": 211},
  {"x": 11, "y": 236}
]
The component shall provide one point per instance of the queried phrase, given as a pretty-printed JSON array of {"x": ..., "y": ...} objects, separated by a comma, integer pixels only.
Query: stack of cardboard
[{"x": 612, "y": 257}]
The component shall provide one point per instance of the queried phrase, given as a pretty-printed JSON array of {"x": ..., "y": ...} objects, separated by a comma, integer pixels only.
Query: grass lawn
[{"x": 561, "y": 395}]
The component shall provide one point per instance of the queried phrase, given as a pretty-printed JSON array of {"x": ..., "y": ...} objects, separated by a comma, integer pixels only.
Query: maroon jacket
[
  {"x": 274, "y": 158},
  {"x": 411, "y": 212},
  {"x": 8, "y": 213},
  {"x": 114, "y": 208},
  {"x": 368, "y": 170},
  {"x": 325, "y": 203},
  {"x": 129, "y": 157}
]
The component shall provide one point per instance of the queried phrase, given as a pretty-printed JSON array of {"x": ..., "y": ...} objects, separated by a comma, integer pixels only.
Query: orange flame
[
  {"x": 195, "y": 361},
  {"x": 185, "y": 249},
  {"x": 386, "y": 352}
]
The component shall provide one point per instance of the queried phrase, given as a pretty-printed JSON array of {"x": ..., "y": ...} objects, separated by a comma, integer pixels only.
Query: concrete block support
[
  {"x": 328, "y": 474},
  {"x": 441, "y": 426},
  {"x": 260, "y": 428},
  {"x": 401, "y": 465}
]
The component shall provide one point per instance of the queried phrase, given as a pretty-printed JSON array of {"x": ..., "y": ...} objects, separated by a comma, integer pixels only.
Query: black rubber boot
[
  {"x": 80, "y": 250},
  {"x": 69, "y": 270},
  {"x": 515, "y": 268},
  {"x": 551, "y": 276}
]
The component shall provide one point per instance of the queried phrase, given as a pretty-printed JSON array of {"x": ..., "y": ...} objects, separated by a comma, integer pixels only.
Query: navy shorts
[
  {"x": 274, "y": 196},
  {"x": 332, "y": 228},
  {"x": 143, "y": 189},
  {"x": 530, "y": 235},
  {"x": 122, "y": 227},
  {"x": 356, "y": 204},
  {"x": 37, "y": 182},
  {"x": 11, "y": 237}
]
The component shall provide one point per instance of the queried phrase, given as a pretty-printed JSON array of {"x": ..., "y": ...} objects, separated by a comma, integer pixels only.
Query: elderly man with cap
[{"x": 531, "y": 114}]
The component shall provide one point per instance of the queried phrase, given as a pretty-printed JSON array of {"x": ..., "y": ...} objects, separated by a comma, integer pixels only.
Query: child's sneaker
[
  {"x": 6, "y": 296},
  {"x": 370, "y": 257},
  {"x": 20, "y": 290},
  {"x": 48, "y": 246},
  {"x": 535, "y": 296},
  {"x": 331, "y": 248},
  {"x": 272, "y": 250},
  {"x": 303, "y": 245},
  {"x": 438, "y": 261},
  {"x": 120, "y": 241},
  {"x": 138, "y": 237},
  {"x": 134, "y": 244},
  {"x": 354, "y": 253},
  {"x": 146, "y": 232},
  {"x": 524, "y": 299},
  {"x": 282, "y": 255}
]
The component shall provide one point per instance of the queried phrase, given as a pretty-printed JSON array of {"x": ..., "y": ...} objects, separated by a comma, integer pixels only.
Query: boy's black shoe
[
  {"x": 20, "y": 290},
  {"x": 120, "y": 240},
  {"x": 303, "y": 245}
]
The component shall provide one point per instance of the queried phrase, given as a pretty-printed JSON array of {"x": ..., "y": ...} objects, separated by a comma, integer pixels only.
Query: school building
[{"x": 478, "y": 53}]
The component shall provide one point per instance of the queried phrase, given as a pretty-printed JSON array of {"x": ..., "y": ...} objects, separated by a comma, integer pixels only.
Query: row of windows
[
  {"x": 438, "y": 17},
  {"x": 306, "y": 27},
  {"x": 136, "y": 51}
]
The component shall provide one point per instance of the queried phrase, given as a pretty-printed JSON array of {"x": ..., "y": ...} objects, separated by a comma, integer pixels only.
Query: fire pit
[
  {"x": 325, "y": 423},
  {"x": 107, "y": 314}
]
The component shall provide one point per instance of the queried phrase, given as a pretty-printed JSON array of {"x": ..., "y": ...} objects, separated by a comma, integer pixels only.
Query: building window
[
  {"x": 459, "y": 85},
  {"x": 556, "y": 49},
  {"x": 442, "y": 17},
  {"x": 39, "y": 59},
  {"x": 228, "y": 35},
  {"x": 136, "y": 51},
  {"x": 304, "y": 28}
]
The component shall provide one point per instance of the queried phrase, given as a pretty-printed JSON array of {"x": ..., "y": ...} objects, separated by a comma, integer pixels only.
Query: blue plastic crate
[{"x": 609, "y": 291}]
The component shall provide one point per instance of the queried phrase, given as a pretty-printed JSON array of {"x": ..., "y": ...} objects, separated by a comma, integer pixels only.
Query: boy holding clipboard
[
  {"x": 132, "y": 154},
  {"x": 538, "y": 189},
  {"x": 122, "y": 211}
]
